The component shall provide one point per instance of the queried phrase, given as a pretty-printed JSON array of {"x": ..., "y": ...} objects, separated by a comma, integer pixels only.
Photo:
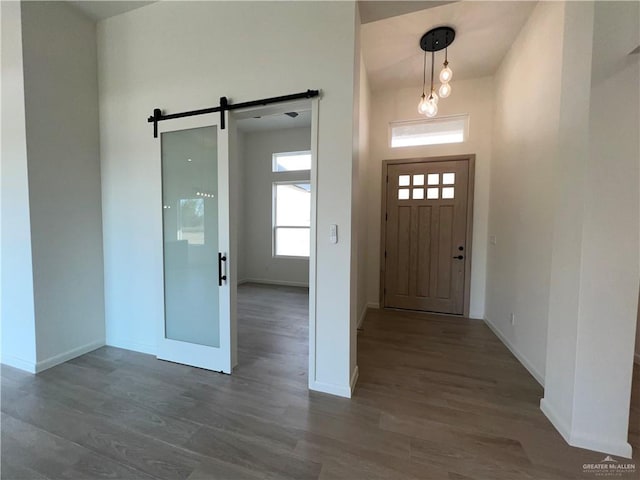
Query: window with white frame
[
  {"x": 291, "y": 204},
  {"x": 291, "y": 218},
  {"x": 432, "y": 131}
]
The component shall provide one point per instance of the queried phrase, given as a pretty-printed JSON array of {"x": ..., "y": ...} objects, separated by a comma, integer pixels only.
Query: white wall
[
  {"x": 185, "y": 55},
  {"x": 526, "y": 122},
  {"x": 61, "y": 102},
  {"x": 608, "y": 223},
  {"x": 564, "y": 208},
  {"x": 474, "y": 97},
  {"x": 259, "y": 265},
  {"x": 362, "y": 206},
  {"x": 17, "y": 314}
]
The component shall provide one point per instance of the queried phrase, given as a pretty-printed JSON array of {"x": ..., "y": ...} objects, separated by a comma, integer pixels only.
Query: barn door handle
[
  {"x": 459, "y": 257},
  {"x": 221, "y": 277}
]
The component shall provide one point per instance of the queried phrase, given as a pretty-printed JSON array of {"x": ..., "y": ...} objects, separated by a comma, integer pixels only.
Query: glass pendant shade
[
  {"x": 432, "y": 108},
  {"x": 444, "y": 90},
  {"x": 434, "y": 97},
  {"x": 422, "y": 106},
  {"x": 446, "y": 74}
]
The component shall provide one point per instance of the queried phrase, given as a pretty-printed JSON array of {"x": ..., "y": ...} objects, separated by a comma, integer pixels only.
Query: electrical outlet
[
  {"x": 493, "y": 240},
  {"x": 513, "y": 318}
]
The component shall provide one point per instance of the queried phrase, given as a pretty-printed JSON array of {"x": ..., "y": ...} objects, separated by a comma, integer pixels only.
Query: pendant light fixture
[{"x": 433, "y": 41}]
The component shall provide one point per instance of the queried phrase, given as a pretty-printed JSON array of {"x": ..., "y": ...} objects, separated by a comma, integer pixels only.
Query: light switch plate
[{"x": 333, "y": 233}]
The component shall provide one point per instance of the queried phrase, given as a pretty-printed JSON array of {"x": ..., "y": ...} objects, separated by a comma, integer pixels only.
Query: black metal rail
[{"x": 224, "y": 106}]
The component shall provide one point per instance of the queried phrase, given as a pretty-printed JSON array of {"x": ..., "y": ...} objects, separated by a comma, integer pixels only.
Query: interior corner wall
[
  {"x": 608, "y": 302},
  {"x": 62, "y": 132},
  {"x": 362, "y": 213},
  {"x": 525, "y": 136},
  {"x": 167, "y": 55},
  {"x": 392, "y": 104},
  {"x": 259, "y": 264},
  {"x": 17, "y": 315}
]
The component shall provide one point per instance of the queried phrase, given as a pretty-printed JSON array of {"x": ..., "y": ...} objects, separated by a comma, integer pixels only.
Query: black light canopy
[{"x": 437, "y": 39}]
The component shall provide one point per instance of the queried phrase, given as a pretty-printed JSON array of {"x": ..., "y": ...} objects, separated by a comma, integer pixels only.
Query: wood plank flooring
[{"x": 438, "y": 398}]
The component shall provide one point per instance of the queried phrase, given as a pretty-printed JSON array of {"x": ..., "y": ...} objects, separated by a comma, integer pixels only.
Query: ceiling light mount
[{"x": 437, "y": 39}]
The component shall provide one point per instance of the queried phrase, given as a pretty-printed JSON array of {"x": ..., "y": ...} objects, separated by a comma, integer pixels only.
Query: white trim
[
  {"x": 330, "y": 388},
  {"x": 354, "y": 380},
  {"x": 621, "y": 449},
  {"x": 133, "y": 346},
  {"x": 516, "y": 353},
  {"x": 313, "y": 258},
  {"x": 68, "y": 355},
  {"x": 375, "y": 305},
  {"x": 19, "y": 363},
  {"x": 476, "y": 316},
  {"x": 636, "y": 358},
  {"x": 266, "y": 281},
  {"x": 361, "y": 317}
]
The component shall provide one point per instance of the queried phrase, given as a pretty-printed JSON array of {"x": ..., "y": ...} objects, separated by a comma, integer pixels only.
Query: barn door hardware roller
[{"x": 224, "y": 106}]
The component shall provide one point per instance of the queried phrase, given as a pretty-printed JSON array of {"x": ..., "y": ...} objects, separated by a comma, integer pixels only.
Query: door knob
[{"x": 459, "y": 257}]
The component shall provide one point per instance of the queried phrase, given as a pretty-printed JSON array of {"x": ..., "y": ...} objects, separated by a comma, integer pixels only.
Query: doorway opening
[
  {"x": 273, "y": 149},
  {"x": 427, "y": 211}
]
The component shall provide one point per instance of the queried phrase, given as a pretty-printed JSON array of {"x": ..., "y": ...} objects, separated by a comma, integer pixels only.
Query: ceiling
[
  {"x": 484, "y": 33},
  {"x": 275, "y": 122},
  {"x": 373, "y": 10},
  {"x": 370, "y": 10},
  {"x": 99, "y": 10}
]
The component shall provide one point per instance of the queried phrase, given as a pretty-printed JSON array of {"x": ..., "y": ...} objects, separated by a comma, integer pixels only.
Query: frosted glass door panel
[{"x": 190, "y": 232}]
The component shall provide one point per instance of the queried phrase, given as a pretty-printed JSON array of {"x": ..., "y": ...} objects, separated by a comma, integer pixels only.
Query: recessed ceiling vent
[{"x": 292, "y": 114}]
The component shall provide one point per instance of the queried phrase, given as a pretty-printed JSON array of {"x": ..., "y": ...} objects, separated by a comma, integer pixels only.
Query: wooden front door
[{"x": 425, "y": 239}]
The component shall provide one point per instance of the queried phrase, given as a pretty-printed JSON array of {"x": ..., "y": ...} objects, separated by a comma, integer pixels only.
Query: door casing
[{"x": 471, "y": 159}]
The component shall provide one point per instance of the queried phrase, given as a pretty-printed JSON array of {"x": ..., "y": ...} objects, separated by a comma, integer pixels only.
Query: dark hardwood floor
[{"x": 438, "y": 398}]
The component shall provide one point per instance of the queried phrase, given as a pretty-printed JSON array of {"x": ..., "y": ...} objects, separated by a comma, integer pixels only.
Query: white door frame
[{"x": 281, "y": 108}]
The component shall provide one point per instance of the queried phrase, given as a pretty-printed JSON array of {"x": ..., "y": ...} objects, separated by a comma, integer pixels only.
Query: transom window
[
  {"x": 291, "y": 161},
  {"x": 433, "y": 131}
]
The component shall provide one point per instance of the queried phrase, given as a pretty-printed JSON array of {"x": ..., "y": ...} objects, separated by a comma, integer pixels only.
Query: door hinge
[
  {"x": 387, "y": 178},
  {"x": 385, "y": 254},
  {"x": 386, "y": 217}
]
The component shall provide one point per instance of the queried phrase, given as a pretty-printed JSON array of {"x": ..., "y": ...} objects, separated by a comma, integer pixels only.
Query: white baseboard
[
  {"x": 555, "y": 419},
  {"x": 636, "y": 358},
  {"x": 354, "y": 379},
  {"x": 133, "y": 346},
  {"x": 266, "y": 281},
  {"x": 19, "y": 363},
  {"x": 68, "y": 355},
  {"x": 597, "y": 444},
  {"x": 330, "y": 388},
  {"x": 620, "y": 449},
  {"x": 516, "y": 353}
]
